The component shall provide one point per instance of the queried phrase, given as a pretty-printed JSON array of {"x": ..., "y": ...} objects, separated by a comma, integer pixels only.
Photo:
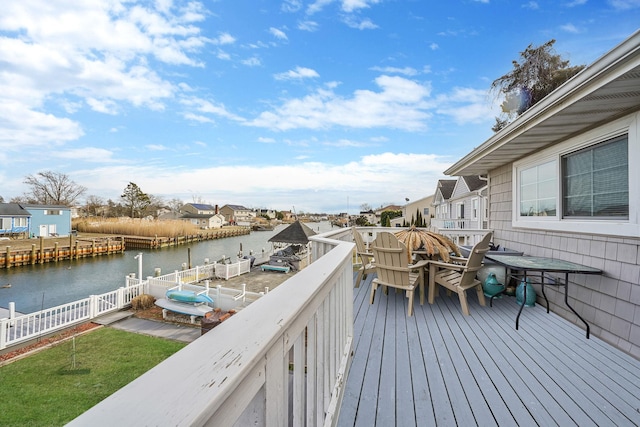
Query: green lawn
[{"x": 46, "y": 389}]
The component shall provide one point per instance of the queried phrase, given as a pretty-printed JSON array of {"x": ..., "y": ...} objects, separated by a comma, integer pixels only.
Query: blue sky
[{"x": 315, "y": 105}]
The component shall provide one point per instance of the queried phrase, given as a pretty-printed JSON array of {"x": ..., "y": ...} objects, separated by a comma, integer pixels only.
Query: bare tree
[
  {"x": 94, "y": 205},
  {"x": 52, "y": 188},
  {"x": 539, "y": 73},
  {"x": 175, "y": 204}
]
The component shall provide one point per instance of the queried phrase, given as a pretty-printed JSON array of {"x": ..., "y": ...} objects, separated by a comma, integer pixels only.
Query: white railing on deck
[
  {"x": 18, "y": 329},
  {"x": 227, "y": 271},
  {"x": 282, "y": 362}
]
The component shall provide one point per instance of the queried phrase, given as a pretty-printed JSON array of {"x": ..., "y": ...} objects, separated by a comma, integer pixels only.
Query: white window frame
[
  {"x": 629, "y": 125},
  {"x": 475, "y": 208}
]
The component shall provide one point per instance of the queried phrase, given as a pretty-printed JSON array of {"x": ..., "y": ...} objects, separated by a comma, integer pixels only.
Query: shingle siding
[{"x": 611, "y": 302}]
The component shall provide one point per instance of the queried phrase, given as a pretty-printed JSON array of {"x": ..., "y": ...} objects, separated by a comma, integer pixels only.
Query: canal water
[{"x": 35, "y": 287}]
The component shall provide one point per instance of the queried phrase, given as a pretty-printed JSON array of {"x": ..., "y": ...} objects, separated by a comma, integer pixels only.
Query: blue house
[
  {"x": 14, "y": 220},
  {"x": 49, "y": 220}
]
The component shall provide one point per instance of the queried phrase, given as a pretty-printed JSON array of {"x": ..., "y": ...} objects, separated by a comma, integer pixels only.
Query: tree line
[{"x": 56, "y": 188}]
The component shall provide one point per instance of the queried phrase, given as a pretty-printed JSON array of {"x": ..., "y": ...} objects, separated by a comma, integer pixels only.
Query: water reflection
[{"x": 51, "y": 284}]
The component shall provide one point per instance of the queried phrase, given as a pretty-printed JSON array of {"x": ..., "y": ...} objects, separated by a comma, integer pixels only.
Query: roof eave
[{"x": 620, "y": 60}]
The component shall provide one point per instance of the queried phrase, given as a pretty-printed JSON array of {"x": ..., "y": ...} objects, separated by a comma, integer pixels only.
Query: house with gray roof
[{"x": 14, "y": 220}]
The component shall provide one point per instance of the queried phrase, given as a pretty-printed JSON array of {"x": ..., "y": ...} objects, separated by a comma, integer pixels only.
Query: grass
[{"x": 52, "y": 387}]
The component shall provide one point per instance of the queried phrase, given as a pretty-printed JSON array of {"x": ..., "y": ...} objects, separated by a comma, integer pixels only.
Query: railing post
[
  {"x": 120, "y": 298},
  {"x": 4, "y": 326},
  {"x": 92, "y": 306}
]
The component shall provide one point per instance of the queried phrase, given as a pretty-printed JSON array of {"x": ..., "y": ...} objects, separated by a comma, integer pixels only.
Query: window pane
[
  {"x": 596, "y": 181},
  {"x": 538, "y": 190}
]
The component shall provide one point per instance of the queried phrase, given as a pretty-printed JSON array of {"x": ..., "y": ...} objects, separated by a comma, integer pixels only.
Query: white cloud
[
  {"x": 407, "y": 71},
  {"x": 400, "y": 103},
  {"x": 156, "y": 147},
  {"x": 307, "y": 25},
  {"x": 291, "y": 5},
  {"x": 360, "y": 24},
  {"x": 91, "y": 53},
  {"x": 532, "y": 5},
  {"x": 297, "y": 74},
  {"x": 225, "y": 38},
  {"x": 207, "y": 107},
  {"x": 279, "y": 34},
  {"x": 570, "y": 28},
  {"x": 254, "y": 61},
  {"x": 87, "y": 154},
  {"x": 372, "y": 179},
  {"x": 624, "y": 4},
  {"x": 351, "y": 5}
]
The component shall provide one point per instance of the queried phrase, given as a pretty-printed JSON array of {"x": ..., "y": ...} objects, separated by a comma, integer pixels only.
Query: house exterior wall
[
  {"x": 610, "y": 303},
  {"x": 49, "y": 220}
]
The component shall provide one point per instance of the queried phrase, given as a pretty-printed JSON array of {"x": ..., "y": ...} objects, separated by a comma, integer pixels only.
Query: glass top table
[{"x": 525, "y": 265}]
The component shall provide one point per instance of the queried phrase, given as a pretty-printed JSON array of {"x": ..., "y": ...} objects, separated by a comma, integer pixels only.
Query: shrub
[{"x": 142, "y": 302}]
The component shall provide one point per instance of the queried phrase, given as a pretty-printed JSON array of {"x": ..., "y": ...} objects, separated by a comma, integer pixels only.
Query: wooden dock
[
  {"x": 157, "y": 242},
  {"x": 41, "y": 250},
  {"x": 54, "y": 251},
  {"x": 442, "y": 368}
]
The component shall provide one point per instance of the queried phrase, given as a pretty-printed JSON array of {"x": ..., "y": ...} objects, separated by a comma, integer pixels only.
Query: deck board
[{"x": 440, "y": 367}]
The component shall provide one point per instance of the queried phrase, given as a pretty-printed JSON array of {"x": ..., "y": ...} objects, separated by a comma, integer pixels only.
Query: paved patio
[{"x": 439, "y": 367}]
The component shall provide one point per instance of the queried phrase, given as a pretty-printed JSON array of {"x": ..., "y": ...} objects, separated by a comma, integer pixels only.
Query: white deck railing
[
  {"x": 18, "y": 329},
  {"x": 282, "y": 362}
]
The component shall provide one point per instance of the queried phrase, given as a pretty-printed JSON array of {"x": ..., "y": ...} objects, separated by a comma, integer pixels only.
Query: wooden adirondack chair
[
  {"x": 393, "y": 268},
  {"x": 460, "y": 274},
  {"x": 366, "y": 258}
]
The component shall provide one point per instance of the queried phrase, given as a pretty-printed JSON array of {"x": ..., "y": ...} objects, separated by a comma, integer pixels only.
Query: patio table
[{"x": 525, "y": 265}]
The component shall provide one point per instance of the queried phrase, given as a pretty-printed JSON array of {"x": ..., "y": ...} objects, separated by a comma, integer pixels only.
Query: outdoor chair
[
  {"x": 393, "y": 269},
  {"x": 366, "y": 258},
  {"x": 460, "y": 274}
]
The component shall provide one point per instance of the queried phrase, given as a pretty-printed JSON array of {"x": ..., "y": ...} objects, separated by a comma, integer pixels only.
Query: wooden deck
[{"x": 442, "y": 368}]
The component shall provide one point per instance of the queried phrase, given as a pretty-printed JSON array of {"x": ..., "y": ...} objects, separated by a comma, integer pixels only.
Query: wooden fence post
[{"x": 8, "y": 257}]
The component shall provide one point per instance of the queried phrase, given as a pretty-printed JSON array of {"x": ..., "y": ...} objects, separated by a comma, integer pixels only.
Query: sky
[{"x": 311, "y": 106}]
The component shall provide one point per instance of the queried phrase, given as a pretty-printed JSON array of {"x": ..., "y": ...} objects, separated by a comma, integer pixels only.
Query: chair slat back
[
  {"x": 391, "y": 259},
  {"x": 474, "y": 261},
  {"x": 357, "y": 237}
]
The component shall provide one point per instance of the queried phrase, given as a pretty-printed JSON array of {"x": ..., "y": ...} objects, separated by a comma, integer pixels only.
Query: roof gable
[{"x": 13, "y": 209}]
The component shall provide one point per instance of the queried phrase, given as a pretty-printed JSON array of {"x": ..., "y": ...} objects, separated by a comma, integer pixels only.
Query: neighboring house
[
  {"x": 461, "y": 203},
  {"x": 199, "y": 209},
  {"x": 204, "y": 221},
  {"x": 237, "y": 214},
  {"x": 564, "y": 183},
  {"x": 49, "y": 220},
  {"x": 369, "y": 215},
  {"x": 14, "y": 220},
  {"x": 271, "y": 213},
  {"x": 411, "y": 209}
]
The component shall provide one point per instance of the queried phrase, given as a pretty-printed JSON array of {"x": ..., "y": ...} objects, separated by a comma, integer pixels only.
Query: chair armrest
[
  {"x": 458, "y": 259},
  {"x": 441, "y": 264},
  {"x": 420, "y": 264}
]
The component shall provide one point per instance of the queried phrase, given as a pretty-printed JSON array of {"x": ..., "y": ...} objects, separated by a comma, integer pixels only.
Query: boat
[
  {"x": 193, "y": 310},
  {"x": 190, "y": 297}
]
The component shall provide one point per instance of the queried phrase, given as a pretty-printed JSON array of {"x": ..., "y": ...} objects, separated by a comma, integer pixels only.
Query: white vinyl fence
[{"x": 18, "y": 329}]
